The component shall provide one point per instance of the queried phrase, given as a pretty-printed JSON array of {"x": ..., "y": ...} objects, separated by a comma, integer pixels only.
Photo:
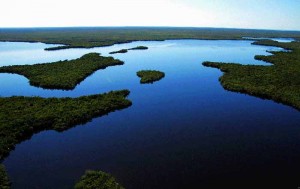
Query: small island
[
  {"x": 62, "y": 47},
  {"x": 97, "y": 180},
  {"x": 150, "y": 76},
  {"x": 139, "y": 48},
  {"x": 126, "y": 50},
  {"x": 120, "y": 51},
  {"x": 62, "y": 74}
]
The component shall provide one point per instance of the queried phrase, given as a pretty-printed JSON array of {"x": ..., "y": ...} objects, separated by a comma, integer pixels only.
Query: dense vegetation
[
  {"x": 106, "y": 36},
  {"x": 21, "y": 117},
  {"x": 4, "y": 181},
  {"x": 150, "y": 76},
  {"x": 279, "y": 82},
  {"x": 62, "y": 74},
  {"x": 120, "y": 51},
  {"x": 139, "y": 48},
  {"x": 97, "y": 180}
]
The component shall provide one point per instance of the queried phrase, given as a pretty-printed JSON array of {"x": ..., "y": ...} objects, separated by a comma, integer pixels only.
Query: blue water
[
  {"x": 180, "y": 59},
  {"x": 282, "y": 40},
  {"x": 180, "y": 131}
]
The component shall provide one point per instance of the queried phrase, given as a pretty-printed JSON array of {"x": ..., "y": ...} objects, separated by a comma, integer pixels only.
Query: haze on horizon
[{"x": 255, "y": 14}]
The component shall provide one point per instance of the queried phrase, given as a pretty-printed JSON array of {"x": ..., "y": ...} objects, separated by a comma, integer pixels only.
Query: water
[
  {"x": 279, "y": 39},
  {"x": 168, "y": 56},
  {"x": 181, "y": 131}
]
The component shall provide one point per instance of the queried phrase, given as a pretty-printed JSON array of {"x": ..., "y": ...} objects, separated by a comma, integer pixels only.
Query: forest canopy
[{"x": 62, "y": 74}]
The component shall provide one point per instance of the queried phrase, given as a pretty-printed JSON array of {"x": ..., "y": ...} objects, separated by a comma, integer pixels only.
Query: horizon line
[{"x": 200, "y": 27}]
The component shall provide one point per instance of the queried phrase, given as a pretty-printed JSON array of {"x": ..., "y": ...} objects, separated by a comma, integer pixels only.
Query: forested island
[
  {"x": 279, "y": 82},
  {"x": 126, "y": 50},
  {"x": 62, "y": 74},
  {"x": 139, "y": 48},
  {"x": 119, "y": 51},
  {"x": 97, "y": 180},
  {"x": 150, "y": 76}
]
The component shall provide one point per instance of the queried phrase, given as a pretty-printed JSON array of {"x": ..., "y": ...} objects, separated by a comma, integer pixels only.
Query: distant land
[{"x": 88, "y": 37}]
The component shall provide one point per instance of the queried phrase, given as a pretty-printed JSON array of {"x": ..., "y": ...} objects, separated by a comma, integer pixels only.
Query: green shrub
[{"x": 97, "y": 180}]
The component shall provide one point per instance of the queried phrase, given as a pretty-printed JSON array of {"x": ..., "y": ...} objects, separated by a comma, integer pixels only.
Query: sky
[{"x": 256, "y": 14}]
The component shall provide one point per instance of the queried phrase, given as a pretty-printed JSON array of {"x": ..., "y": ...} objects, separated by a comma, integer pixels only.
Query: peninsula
[
  {"x": 279, "y": 82},
  {"x": 62, "y": 74}
]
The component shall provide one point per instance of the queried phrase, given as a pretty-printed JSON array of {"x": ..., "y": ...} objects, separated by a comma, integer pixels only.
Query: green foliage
[
  {"x": 126, "y": 50},
  {"x": 120, "y": 51},
  {"x": 150, "y": 76},
  {"x": 62, "y": 74},
  {"x": 4, "y": 181},
  {"x": 21, "y": 117},
  {"x": 61, "y": 47},
  {"x": 97, "y": 180},
  {"x": 107, "y": 36},
  {"x": 280, "y": 82},
  {"x": 139, "y": 48}
]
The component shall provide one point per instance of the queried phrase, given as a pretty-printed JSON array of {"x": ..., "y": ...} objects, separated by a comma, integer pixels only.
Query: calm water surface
[{"x": 182, "y": 131}]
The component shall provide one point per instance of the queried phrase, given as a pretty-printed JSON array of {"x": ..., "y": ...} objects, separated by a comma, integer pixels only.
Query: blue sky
[{"x": 259, "y": 14}]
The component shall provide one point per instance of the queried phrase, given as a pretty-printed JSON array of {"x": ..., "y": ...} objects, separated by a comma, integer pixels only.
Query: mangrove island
[
  {"x": 150, "y": 76},
  {"x": 62, "y": 74},
  {"x": 139, "y": 48},
  {"x": 120, "y": 51},
  {"x": 97, "y": 180},
  {"x": 126, "y": 50}
]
